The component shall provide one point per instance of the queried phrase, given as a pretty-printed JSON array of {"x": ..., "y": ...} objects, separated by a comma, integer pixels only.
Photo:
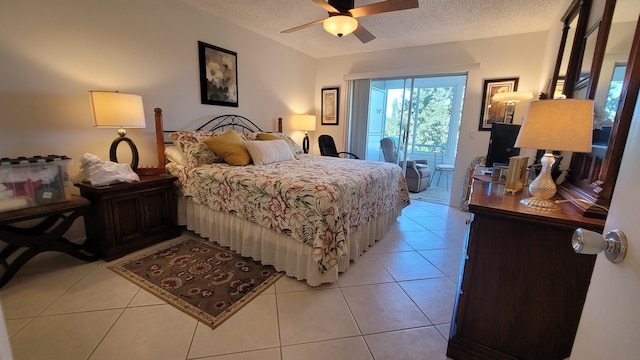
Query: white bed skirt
[{"x": 282, "y": 251}]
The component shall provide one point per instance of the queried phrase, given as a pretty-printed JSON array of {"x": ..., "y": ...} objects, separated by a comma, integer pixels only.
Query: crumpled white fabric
[{"x": 100, "y": 172}]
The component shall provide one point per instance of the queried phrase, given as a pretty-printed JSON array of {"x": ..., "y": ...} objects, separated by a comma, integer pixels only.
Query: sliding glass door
[{"x": 421, "y": 114}]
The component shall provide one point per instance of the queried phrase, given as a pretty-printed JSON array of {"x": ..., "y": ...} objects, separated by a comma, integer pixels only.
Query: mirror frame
[
  {"x": 583, "y": 85},
  {"x": 622, "y": 121},
  {"x": 598, "y": 189},
  {"x": 578, "y": 9},
  {"x": 604, "y": 29}
]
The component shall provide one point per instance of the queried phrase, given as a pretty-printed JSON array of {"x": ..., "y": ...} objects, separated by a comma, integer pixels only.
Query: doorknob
[{"x": 614, "y": 244}]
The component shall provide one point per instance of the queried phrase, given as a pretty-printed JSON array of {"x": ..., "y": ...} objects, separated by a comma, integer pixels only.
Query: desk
[
  {"x": 522, "y": 288},
  {"x": 48, "y": 235}
]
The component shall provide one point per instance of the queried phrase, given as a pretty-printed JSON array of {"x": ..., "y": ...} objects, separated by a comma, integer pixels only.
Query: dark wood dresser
[
  {"x": 129, "y": 216},
  {"x": 522, "y": 289}
]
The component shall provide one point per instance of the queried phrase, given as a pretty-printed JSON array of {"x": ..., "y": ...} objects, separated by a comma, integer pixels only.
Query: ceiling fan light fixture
[{"x": 340, "y": 25}]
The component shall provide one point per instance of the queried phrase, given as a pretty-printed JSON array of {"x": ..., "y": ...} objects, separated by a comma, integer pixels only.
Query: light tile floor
[
  {"x": 394, "y": 303},
  {"x": 435, "y": 193}
]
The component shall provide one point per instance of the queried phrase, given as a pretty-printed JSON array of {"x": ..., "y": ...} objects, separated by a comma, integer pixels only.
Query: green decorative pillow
[
  {"x": 230, "y": 146},
  {"x": 276, "y": 136}
]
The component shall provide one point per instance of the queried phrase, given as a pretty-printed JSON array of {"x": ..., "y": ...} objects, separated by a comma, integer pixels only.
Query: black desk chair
[{"x": 328, "y": 148}]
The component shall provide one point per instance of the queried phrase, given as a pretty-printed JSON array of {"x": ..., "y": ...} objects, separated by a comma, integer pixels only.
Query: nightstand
[{"x": 125, "y": 217}]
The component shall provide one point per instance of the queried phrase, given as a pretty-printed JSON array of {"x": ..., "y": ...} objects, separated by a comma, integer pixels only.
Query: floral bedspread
[{"x": 317, "y": 200}]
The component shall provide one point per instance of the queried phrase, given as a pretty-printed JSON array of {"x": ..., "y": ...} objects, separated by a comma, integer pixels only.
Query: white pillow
[
  {"x": 269, "y": 151},
  {"x": 174, "y": 154}
]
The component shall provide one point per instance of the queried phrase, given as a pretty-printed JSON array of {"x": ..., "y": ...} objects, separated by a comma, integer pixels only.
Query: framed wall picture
[
  {"x": 330, "y": 106},
  {"x": 218, "y": 75},
  {"x": 495, "y": 112}
]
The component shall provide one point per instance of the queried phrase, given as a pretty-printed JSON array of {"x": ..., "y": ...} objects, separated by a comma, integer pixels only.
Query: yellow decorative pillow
[
  {"x": 266, "y": 136},
  {"x": 230, "y": 147}
]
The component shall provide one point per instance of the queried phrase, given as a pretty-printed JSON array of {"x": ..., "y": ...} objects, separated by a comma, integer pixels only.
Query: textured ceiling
[{"x": 435, "y": 21}]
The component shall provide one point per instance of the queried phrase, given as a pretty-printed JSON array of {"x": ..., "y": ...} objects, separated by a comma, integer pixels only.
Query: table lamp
[
  {"x": 305, "y": 123},
  {"x": 563, "y": 125},
  {"x": 112, "y": 109},
  {"x": 510, "y": 99}
]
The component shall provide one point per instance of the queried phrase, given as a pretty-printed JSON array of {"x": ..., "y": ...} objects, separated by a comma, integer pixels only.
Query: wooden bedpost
[
  {"x": 159, "y": 137},
  {"x": 279, "y": 124}
]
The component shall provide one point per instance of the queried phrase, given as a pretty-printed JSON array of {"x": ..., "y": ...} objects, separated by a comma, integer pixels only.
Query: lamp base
[
  {"x": 540, "y": 204},
  {"x": 134, "y": 151},
  {"x": 305, "y": 144},
  {"x": 542, "y": 188}
]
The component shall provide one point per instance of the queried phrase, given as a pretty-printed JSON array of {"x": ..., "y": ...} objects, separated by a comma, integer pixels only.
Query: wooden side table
[
  {"x": 47, "y": 235},
  {"x": 125, "y": 217}
]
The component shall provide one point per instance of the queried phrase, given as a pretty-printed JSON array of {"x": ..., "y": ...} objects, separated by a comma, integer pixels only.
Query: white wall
[
  {"x": 523, "y": 56},
  {"x": 54, "y": 52}
]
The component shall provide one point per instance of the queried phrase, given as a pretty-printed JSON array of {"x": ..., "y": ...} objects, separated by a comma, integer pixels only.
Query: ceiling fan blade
[
  {"x": 302, "y": 26},
  {"x": 326, "y": 6},
  {"x": 363, "y": 34},
  {"x": 382, "y": 7}
]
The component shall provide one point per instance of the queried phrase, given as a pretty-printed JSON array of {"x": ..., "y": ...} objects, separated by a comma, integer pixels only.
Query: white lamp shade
[
  {"x": 304, "y": 122},
  {"x": 562, "y": 125},
  {"x": 113, "y": 109},
  {"x": 340, "y": 25},
  {"x": 514, "y": 96}
]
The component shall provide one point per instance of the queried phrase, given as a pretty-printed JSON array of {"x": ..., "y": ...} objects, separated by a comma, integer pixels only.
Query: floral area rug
[{"x": 205, "y": 280}]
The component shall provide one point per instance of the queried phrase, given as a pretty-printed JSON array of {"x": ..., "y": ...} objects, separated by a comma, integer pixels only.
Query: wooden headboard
[{"x": 221, "y": 122}]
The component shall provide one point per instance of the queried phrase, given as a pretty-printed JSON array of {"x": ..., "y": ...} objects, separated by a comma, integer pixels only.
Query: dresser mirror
[{"x": 605, "y": 72}]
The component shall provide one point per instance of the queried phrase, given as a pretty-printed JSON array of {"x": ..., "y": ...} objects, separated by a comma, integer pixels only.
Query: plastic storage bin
[{"x": 33, "y": 181}]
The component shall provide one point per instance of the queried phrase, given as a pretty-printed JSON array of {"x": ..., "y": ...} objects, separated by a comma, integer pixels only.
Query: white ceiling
[{"x": 435, "y": 21}]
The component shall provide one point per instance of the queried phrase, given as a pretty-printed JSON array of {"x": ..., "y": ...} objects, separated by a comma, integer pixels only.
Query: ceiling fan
[{"x": 342, "y": 16}]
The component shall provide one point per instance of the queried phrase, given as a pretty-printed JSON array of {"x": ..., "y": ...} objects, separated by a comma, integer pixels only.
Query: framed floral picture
[
  {"x": 330, "y": 106},
  {"x": 492, "y": 111},
  {"x": 218, "y": 75}
]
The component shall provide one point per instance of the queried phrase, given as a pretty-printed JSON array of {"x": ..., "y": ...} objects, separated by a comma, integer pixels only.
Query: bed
[{"x": 306, "y": 215}]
